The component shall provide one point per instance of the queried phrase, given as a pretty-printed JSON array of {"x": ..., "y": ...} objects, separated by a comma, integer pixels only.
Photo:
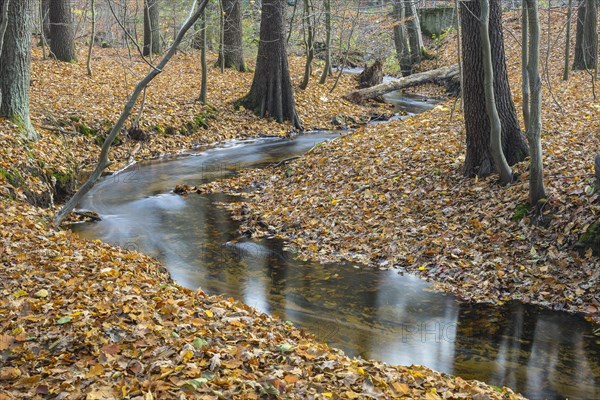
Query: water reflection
[{"x": 373, "y": 314}]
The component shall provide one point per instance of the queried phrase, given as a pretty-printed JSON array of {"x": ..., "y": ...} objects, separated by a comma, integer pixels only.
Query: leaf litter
[
  {"x": 87, "y": 320},
  {"x": 393, "y": 196}
]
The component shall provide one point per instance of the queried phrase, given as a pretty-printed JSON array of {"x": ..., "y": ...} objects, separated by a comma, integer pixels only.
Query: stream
[{"x": 368, "y": 313}]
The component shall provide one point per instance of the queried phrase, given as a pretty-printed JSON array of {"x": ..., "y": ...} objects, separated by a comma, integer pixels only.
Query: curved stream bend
[{"x": 374, "y": 314}]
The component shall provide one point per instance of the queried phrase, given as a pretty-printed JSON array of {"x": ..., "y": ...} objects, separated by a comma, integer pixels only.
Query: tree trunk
[
  {"x": 271, "y": 92},
  {"x": 15, "y": 62},
  {"x": 490, "y": 101},
  {"x": 3, "y": 21},
  {"x": 62, "y": 40},
  {"x": 536, "y": 175},
  {"x": 151, "y": 27},
  {"x": 434, "y": 76},
  {"x": 233, "y": 49},
  {"x": 479, "y": 160},
  {"x": 309, "y": 33},
  {"x": 92, "y": 38},
  {"x": 413, "y": 28},
  {"x": 371, "y": 76},
  {"x": 46, "y": 20},
  {"x": 597, "y": 166},
  {"x": 524, "y": 62},
  {"x": 401, "y": 42},
  {"x": 568, "y": 41},
  {"x": 586, "y": 43},
  {"x": 327, "y": 70},
  {"x": 204, "y": 84}
]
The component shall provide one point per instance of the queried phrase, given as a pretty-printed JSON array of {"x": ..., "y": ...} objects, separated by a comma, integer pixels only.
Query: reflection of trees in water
[{"x": 536, "y": 352}]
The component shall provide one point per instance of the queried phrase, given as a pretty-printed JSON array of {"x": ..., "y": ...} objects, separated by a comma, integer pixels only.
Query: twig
[
  {"x": 285, "y": 161},
  {"x": 57, "y": 129}
]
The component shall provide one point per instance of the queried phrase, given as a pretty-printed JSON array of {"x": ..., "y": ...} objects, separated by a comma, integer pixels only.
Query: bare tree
[
  {"x": 62, "y": 37},
  {"x": 271, "y": 92},
  {"x": 586, "y": 39},
  {"x": 537, "y": 191},
  {"x": 568, "y": 41},
  {"x": 309, "y": 35},
  {"x": 327, "y": 70},
  {"x": 103, "y": 161},
  {"x": 490, "y": 101},
  {"x": 15, "y": 61},
  {"x": 231, "y": 54},
  {"x": 479, "y": 160},
  {"x": 92, "y": 38},
  {"x": 151, "y": 27}
]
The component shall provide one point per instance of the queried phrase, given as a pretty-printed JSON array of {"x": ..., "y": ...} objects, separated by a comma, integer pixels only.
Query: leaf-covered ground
[
  {"x": 86, "y": 320},
  {"x": 82, "y": 319},
  {"x": 393, "y": 195}
]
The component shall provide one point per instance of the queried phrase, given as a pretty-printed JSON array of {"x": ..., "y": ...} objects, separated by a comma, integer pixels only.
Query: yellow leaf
[{"x": 209, "y": 313}]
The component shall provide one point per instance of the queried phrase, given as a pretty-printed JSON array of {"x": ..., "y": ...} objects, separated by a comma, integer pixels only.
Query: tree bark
[
  {"x": 479, "y": 160},
  {"x": 137, "y": 91},
  {"x": 524, "y": 62},
  {"x": 586, "y": 40},
  {"x": 233, "y": 49},
  {"x": 309, "y": 33},
  {"x": 327, "y": 70},
  {"x": 15, "y": 63},
  {"x": 271, "y": 92},
  {"x": 204, "y": 83},
  {"x": 434, "y": 76},
  {"x": 568, "y": 41},
  {"x": 151, "y": 27},
  {"x": 413, "y": 28},
  {"x": 537, "y": 191},
  {"x": 3, "y": 21},
  {"x": 46, "y": 20},
  {"x": 92, "y": 38},
  {"x": 401, "y": 42},
  {"x": 62, "y": 40},
  {"x": 597, "y": 166},
  {"x": 490, "y": 101}
]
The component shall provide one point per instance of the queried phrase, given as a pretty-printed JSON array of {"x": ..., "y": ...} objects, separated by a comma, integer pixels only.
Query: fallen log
[{"x": 439, "y": 76}]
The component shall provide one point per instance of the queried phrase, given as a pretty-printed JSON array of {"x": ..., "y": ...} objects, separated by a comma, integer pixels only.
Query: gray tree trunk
[
  {"x": 204, "y": 84},
  {"x": 401, "y": 42},
  {"x": 15, "y": 62},
  {"x": 92, "y": 38},
  {"x": 151, "y": 27},
  {"x": 309, "y": 33},
  {"x": 586, "y": 44},
  {"x": 413, "y": 28},
  {"x": 232, "y": 48},
  {"x": 537, "y": 191},
  {"x": 327, "y": 70},
  {"x": 3, "y": 21},
  {"x": 62, "y": 40},
  {"x": 46, "y": 19},
  {"x": 478, "y": 160},
  {"x": 490, "y": 102},
  {"x": 271, "y": 92},
  {"x": 524, "y": 61},
  {"x": 568, "y": 41}
]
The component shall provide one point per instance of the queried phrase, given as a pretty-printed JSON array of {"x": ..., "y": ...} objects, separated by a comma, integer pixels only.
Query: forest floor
[
  {"x": 83, "y": 319},
  {"x": 394, "y": 196}
]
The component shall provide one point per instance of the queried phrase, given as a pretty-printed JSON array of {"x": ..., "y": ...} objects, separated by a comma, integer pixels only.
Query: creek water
[{"x": 368, "y": 313}]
